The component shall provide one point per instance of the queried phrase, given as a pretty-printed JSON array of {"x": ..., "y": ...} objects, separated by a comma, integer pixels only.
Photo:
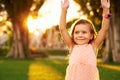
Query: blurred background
[{"x": 31, "y": 47}]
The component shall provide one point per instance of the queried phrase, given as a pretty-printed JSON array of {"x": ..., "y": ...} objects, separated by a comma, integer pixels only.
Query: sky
[{"x": 50, "y": 12}]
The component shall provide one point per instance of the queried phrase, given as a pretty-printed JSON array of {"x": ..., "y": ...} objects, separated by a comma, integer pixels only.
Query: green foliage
[
  {"x": 5, "y": 49},
  {"x": 17, "y": 8},
  {"x": 44, "y": 53},
  {"x": 54, "y": 52},
  {"x": 9, "y": 41},
  {"x": 3, "y": 52},
  {"x": 36, "y": 53}
]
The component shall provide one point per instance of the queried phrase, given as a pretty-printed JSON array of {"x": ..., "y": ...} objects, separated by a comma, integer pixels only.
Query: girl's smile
[{"x": 82, "y": 34}]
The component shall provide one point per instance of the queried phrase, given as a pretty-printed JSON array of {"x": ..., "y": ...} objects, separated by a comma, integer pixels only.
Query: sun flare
[
  {"x": 37, "y": 23},
  {"x": 50, "y": 12}
]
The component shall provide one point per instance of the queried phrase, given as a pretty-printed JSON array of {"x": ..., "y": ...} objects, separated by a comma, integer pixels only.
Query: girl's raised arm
[
  {"x": 62, "y": 25},
  {"x": 105, "y": 23}
]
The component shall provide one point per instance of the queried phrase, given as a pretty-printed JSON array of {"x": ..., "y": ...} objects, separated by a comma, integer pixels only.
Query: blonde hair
[{"x": 86, "y": 22}]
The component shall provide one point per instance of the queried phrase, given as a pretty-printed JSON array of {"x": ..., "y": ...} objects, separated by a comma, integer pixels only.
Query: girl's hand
[
  {"x": 64, "y": 4},
  {"x": 105, "y": 4}
]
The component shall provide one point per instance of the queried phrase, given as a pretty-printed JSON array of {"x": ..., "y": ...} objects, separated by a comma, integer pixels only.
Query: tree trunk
[
  {"x": 116, "y": 41},
  {"x": 112, "y": 49},
  {"x": 17, "y": 49},
  {"x": 105, "y": 55}
]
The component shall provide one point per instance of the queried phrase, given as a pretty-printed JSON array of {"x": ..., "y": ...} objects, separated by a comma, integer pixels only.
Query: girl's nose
[{"x": 80, "y": 34}]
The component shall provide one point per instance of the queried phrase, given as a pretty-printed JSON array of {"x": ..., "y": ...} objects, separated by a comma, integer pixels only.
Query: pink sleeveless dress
[{"x": 82, "y": 64}]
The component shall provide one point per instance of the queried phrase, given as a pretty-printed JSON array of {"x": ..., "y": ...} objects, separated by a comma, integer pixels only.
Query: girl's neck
[{"x": 82, "y": 44}]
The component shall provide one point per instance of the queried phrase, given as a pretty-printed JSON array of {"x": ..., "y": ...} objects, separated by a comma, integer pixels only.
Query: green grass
[
  {"x": 109, "y": 71},
  {"x": 11, "y": 69},
  {"x": 109, "y": 74},
  {"x": 48, "y": 69},
  {"x": 32, "y": 69}
]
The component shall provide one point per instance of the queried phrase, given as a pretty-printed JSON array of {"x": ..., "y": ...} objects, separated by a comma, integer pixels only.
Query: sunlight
[
  {"x": 110, "y": 66},
  {"x": 39, "y": 71},
  {"x": 50, "y": 12},
  {"x": 37, "y": 23},
  {"x": 30, "y": 24},
  {"x": 114, "y": 67}
]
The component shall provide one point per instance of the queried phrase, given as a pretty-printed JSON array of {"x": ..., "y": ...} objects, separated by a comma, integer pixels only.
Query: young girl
[{"x": 83, "y": 44}]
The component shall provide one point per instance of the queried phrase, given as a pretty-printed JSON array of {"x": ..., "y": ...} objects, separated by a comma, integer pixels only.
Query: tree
[
  {"x": 18, "y": 11},
  {"x": 94, "y": 12},
  {"x": 115, "y": 31}
]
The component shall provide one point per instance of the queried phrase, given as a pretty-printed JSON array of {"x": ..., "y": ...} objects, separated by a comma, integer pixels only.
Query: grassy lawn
[
  {"x": 32, "y": 69},
  {"x": 48, "y": 69},
  {"x": 109, "y": 71}
]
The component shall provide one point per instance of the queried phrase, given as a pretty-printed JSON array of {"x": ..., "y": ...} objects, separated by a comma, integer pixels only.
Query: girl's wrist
[
  {"x": 106, "y": 11},
  {"x": 107, "y": 15},
  {"x": 64, "y": 10}
]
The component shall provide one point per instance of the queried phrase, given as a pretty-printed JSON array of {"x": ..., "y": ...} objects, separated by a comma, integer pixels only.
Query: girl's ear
[{"x": 91, "y": 37}]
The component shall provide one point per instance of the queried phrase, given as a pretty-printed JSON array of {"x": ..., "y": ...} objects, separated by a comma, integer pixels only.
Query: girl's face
[{"x": 82, "y": 34}]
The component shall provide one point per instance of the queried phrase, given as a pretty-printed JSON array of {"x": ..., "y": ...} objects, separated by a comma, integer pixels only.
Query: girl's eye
[
  {"x": 77, "y": 32},
  {"x": 84, "y": 32}
]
